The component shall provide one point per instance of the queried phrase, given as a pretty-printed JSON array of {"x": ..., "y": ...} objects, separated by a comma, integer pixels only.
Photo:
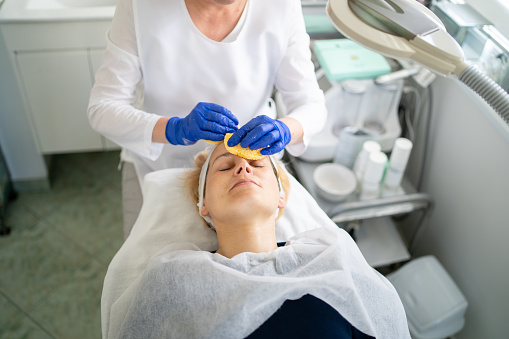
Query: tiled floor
[{"x": 53, "y": 264}]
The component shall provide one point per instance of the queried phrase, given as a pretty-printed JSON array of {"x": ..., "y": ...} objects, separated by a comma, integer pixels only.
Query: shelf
[
  {"x": 380, "y": 243},
  {"x": 405, "y": 201}
]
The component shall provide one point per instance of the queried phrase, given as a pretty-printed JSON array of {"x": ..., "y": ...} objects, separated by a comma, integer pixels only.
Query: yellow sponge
[{"x": 245, "y": 153}]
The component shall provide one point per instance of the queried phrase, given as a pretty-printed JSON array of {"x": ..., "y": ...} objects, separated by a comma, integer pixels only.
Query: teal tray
[{"x": 343, "y": 59}]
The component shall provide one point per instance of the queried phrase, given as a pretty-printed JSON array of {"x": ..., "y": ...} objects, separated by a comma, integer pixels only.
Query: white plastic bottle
[
  {"x": 375, "y": 168},
  {"x": 362, "y": 159},
  {"x": 397, "y": 164}
]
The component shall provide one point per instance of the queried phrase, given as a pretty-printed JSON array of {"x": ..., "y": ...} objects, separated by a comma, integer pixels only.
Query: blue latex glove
[
  {"x": 260, "y": 132},
  {"x": 206, "y": 121}
]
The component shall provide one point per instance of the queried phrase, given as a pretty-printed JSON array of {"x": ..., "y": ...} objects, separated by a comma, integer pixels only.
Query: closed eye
[{"x": 258, "y": 163}]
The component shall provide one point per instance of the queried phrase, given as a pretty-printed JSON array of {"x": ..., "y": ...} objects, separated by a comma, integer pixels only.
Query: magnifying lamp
[{"x": 405, "y": 29}]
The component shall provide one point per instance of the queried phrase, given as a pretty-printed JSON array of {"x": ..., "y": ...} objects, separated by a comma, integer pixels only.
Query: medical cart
[{"x": 369, "y": 221}]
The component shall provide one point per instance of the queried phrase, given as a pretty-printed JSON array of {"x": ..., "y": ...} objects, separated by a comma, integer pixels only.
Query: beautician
[{"x": 205, "y": 68}]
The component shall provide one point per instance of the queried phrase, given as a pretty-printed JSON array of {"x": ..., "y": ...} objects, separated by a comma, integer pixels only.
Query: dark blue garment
[{"x": 307, "y": 317}]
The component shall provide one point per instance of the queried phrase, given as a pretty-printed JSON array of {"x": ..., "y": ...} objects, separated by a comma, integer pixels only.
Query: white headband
[{"x": 201, "y": 187}]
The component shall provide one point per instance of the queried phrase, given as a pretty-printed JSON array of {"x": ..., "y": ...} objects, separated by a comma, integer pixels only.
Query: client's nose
[{"x": 243, "y": 166}]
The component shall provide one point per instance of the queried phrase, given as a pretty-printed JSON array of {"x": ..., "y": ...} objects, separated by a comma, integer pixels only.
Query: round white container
[{"x": 334, "y": 182}]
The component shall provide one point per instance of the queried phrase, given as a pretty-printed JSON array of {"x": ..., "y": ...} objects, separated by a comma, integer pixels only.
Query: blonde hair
[{"x": 192, "y": 179}]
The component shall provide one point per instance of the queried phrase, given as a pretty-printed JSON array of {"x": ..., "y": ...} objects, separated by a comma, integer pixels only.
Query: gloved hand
[
  {"x": 260, "y": 132},
  {"x": 206, "y": 121}
]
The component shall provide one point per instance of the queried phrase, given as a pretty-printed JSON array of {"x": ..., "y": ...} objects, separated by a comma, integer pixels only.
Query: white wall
[
  {"x": 467, "y": 174},
  {"x": 18, "y": 145}
]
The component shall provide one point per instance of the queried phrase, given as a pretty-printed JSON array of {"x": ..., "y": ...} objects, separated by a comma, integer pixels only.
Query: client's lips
[{"x": 243, "y": 182}]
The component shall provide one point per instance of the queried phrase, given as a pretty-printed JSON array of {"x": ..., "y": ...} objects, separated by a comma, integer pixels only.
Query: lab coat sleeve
[
  {"x": 297, "y": 84},
  {"x": 111, "y": 110}
]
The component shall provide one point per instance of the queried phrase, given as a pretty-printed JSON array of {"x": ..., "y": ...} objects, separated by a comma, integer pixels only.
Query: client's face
[{"x": 240, "y": 188}]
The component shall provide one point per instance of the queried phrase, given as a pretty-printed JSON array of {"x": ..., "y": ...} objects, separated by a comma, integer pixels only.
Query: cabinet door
[{"x": 57, "y": 88}]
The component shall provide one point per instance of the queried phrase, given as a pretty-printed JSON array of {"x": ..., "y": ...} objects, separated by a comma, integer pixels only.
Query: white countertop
[{"x": 56, "y": 10}]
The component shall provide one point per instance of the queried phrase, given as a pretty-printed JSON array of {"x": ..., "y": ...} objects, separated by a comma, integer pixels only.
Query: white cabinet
[
  {"x": 55, "y": 63},
  {"x": 57, "y": 87}
]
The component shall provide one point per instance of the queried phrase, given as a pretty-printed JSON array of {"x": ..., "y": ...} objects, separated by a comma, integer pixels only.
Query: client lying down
[{"x": 316, "y": 285}]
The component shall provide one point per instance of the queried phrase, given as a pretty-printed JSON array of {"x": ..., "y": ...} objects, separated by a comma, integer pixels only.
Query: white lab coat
[{"x": 157, "y": 42}]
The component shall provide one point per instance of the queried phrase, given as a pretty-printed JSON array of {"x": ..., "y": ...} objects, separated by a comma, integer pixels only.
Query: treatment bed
[{"x": 169, "y": 221}]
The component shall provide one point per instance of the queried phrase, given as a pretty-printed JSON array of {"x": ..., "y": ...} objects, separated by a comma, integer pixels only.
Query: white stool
[{"x": 434, "y": 305}]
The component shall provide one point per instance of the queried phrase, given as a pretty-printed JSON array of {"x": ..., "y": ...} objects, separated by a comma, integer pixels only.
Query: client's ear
[
  {"x": 204, "y": 212},
  {"x": 281, "y": 203}
]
